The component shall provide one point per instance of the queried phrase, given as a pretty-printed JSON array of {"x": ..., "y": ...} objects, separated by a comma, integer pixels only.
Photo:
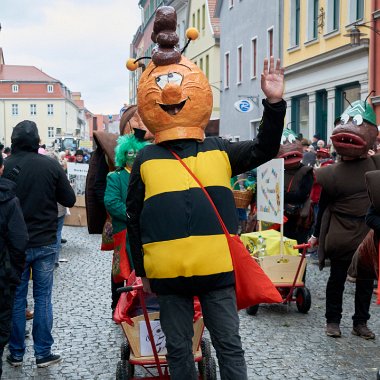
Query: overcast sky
[{"x": 82, "y": 43}]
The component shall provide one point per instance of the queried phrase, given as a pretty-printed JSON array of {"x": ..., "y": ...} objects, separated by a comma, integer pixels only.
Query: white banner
[
  {"x": 76, "y": 174},
  {"x": 270, "y": 191}
]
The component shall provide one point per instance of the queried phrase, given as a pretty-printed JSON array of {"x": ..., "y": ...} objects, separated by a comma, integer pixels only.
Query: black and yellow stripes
[
  {"x": 194, "y": 244},
  {"x": 169, "y": 174}
]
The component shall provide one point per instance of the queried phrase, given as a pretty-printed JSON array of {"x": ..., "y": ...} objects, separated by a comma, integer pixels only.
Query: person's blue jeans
[
  {"x": 222, "y": 321},
  {"x": 60, "y": 221},
  {"x": 41, "y": 260}
]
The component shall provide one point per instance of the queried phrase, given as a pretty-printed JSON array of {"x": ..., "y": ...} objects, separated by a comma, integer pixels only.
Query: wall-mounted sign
[{"x": 244, "y": 105}]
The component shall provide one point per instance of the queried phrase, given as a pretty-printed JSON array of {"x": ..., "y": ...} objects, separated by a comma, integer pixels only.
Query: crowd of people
[{"x": 162, "y": 225}]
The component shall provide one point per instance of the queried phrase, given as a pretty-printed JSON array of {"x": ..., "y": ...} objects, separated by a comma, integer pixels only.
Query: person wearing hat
[
  {"x": 178, "y": 247},
  {"x": 314, "y": 141},
  {"x": 102, "y": 161},
  {"x": 79, "y": 156},
  {"x": 343, "y": 205}
]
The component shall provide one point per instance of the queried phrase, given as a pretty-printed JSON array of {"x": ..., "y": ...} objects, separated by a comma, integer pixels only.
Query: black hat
[
  {"x": 139, "y": 133},
  {"x": 79, "y": 152}
]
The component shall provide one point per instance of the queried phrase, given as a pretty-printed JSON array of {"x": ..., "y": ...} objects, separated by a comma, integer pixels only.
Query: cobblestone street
[{"x": 280, "y": 343}]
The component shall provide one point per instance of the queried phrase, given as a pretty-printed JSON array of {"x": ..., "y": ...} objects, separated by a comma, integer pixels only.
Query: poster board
[
  {"x": 270, "y": 191},
  {"x": 158, "y": 335},
  {"x": 77, "y": 174}
]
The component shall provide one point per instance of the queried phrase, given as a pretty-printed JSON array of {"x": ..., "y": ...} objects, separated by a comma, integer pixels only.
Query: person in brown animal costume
[
  {"x": 343, "y": 205},
  {"x": 365, "y": 263},
  {"x": 298, "y": 181}
]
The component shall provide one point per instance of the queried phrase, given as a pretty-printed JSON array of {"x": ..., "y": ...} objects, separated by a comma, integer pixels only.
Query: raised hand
[{"x": 272, "y": 80}]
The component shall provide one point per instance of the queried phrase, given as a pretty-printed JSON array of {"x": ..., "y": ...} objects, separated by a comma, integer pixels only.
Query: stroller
[{"x": 145, "y": 343}]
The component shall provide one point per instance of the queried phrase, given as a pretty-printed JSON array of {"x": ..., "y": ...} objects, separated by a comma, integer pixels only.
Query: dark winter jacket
[
  {"x": 41, "y": 183},
  {"x": 13, "y": 233},
  {"x": 170, "y": 219}
]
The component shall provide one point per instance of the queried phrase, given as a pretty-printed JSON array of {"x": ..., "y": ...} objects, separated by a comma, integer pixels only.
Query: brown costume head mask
[
  {"x": 355, "y": 131},
  {"x": 290, "y": 149},
  {"x": 130, "y": 121},
  {"x": 174, "y": 96}
]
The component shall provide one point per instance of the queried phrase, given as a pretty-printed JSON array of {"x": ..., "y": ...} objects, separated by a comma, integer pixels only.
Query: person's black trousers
[
  {"x": 335, "y": 289},
  {"x": 6, "y": 306}
]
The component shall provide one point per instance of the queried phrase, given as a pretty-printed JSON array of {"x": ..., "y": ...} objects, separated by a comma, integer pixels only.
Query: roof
[
  {"x": 24, "y": 74},
  {"x": 214, "y": 20}
]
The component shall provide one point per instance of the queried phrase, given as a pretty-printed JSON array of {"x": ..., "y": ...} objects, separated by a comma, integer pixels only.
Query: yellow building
[
  {"x": 321, "y": 66},
  {"x": 204, "y": 51}
]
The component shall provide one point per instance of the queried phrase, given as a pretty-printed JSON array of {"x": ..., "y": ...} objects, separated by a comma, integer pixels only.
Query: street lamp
[{"x": 355, "y": 34}]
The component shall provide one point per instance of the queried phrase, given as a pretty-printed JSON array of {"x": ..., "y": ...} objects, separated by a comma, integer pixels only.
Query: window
[
  {"x": 50, "y": 109},
  {"x": 356, "y": 10},
  {"x": 193, "y": 20},
  {"x": 239, "y": 64},
  {"x": 201, "y": 64},
  {"x": 207, "y": 66},
  {"x": 300, "y": 116},
  {"x": 333, "y": 15},
  {"x": 199, "y": 19},
  {"x": 270, "y": 42},
  {"x": 14, "y": 87},
  {"x": 203, "y": 16},
  {"x": 295, "y": 23},
  {"x": 50, "y": 132},
  {"x": 226, "y": 70},
  {"x": 312, "y": 19},
  {"x": 33, "y": 109},
  {"x": 254, "y": 57},
  {"x": 58, "y": 131},
  {"x": 359, "y": 9},
  {"x": 315, "y": 19},
  {"x": 231, "y": 3},
  {"x": 350, "y": 92},
  {"x": 50, "y": 88},
  {"x": 14, "y": 109}
]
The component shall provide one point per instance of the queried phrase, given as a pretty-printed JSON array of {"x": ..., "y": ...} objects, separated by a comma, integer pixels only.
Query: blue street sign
[{"x": 244, "y": 105}]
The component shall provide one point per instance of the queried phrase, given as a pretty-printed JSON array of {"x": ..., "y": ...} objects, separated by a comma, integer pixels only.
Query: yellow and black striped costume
[{"x": 171, "y": 221}]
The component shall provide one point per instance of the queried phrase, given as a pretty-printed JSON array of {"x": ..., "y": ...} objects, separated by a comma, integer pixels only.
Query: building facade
[
  {"x": 142, "y": 44},
  {"x": 205, "y": 51},
  {"x": 250, "y": 31},
  {"x": 28, "y": 93},
  {"x": 323, "y": 71}
]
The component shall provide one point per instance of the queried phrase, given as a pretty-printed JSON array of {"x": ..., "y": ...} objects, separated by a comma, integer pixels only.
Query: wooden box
[
  {"x": 133, "y": 335},
  {"x": 282, "y": 271}
]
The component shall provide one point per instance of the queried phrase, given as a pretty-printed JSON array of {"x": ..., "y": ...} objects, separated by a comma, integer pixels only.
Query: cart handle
[
  {"x": 125, "y": 289},
  {"x": 304, "y": 245}
]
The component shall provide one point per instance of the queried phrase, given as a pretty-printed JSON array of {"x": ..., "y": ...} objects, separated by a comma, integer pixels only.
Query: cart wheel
[
  {"x": 121, "y": 371},
  {"x": 252, "y": 310},
  {"x": 211, "y": 369},
  {"x": 207, "y": 366},
  {"x": 125, "y": 351},
  {"x": 303, "y": 300}
]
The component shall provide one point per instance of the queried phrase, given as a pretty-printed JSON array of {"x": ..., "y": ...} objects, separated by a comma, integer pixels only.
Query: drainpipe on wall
[{"x": 372, "y": 52}]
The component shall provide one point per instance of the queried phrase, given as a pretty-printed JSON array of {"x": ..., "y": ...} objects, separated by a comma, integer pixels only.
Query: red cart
[
  {"x": 287, "y": 274},
  {"x": 155, "y": 366}
]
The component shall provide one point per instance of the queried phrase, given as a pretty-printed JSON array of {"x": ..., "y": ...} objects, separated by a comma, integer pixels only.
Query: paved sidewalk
[{"x": 280, "y": 343}]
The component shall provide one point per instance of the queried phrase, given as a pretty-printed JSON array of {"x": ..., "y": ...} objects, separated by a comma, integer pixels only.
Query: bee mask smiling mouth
[{"x": 173, "y": 109}]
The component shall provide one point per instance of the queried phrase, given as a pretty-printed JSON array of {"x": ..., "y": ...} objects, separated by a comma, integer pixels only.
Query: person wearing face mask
[{"x": 114, "y": 201}]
